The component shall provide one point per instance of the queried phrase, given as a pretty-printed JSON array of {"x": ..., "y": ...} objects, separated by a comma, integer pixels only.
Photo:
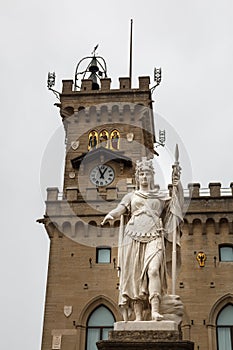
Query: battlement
[
  {"x": 214, "y": 190},
  {"x": 193, "y": 191},
  {"x": 207, "y": 210},
  {"x": 124, "y": 84}
]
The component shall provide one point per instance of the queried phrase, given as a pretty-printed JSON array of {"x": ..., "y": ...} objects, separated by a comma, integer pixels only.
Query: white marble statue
[{"x": 148, "y": 222}]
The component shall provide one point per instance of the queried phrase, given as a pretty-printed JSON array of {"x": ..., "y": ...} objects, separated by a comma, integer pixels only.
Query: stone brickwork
[
  {"x": 72, "y": 280},
  {"x": 72, "y": 221},
  {"x": 207, "y": 225},
  {"x": 124, "y": 109}
]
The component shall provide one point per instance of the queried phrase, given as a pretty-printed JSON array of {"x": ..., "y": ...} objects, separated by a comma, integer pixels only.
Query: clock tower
[{"x": 106, "y": 131}]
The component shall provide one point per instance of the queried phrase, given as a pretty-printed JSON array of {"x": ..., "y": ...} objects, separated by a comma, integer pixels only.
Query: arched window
[
  {"x": 225, "y": 328},
  {"x": 99, "y": 324}
]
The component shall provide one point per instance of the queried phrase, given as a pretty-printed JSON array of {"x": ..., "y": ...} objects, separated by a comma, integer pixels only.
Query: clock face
[{"x": 102, "y": 175}]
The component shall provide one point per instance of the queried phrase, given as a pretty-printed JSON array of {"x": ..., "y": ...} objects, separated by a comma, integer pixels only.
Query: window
[
  {"x": 103, "y": 255},
  {"x": 225, "y": 328},
  {"x": 226, "y": 253},
  {"x": 98, "y": 325}
]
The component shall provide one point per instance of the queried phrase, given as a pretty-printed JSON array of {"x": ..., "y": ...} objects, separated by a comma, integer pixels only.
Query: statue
[{"x": 146, "y": 241}]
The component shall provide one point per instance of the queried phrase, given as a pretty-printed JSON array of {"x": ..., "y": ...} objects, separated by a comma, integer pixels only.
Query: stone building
[{"x": 107, "y": 131}]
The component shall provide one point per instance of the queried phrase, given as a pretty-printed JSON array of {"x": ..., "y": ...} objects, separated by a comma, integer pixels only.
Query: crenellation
[
  {"x": 52, "y": 193},
  {"x": 71, "y": 193},
  {"x": 105, "y": 84},
  {"x": 194, "y": 190},
  {"x": 125, "y": 83},
  {"x": 197, "y": 204},
  {"x": 67, "y": 86},
  {"x": 215, "y": 189},
  {"x": 144, "y": 83},
  {"x": 86, "y": 85}
]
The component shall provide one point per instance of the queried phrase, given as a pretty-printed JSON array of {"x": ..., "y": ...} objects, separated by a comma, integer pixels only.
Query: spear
[{"x": 176, "y": 172}]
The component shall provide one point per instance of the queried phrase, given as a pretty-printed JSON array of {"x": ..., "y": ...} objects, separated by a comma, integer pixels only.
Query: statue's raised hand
[{"x": 106, "y": 219}]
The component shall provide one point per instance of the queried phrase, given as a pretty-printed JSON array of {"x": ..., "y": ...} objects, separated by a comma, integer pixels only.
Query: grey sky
[{"x": 190, "y": 40}]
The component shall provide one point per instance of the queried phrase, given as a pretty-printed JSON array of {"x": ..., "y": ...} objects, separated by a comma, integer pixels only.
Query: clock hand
[
  {"x": 101, "y": 174},
  {"x": 102, "y": 177}
]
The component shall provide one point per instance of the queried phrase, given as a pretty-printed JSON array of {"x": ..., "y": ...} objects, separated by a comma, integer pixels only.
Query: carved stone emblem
[
  {"x": 56, "y": 342},
  {"x": 75, "y": 145},
  {"x": 72, "y": 175},
  {"x": 130, "y": 136},
  {"x": 68, "y": 310}
]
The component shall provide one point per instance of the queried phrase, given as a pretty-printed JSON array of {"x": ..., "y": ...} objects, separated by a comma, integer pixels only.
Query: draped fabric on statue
[
  {"x": 142, "y": 243},
  {"x": 133, "y": 282}
]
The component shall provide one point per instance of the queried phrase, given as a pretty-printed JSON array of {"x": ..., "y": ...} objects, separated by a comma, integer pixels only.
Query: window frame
[
  {"x": 98, "y": 249},
  {"x": 100, "y": 328},
  {"x": 230, "y": 327},
  {"x": 224, "y": 245}
]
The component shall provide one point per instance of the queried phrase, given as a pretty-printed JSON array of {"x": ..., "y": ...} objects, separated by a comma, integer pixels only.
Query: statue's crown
[{"x": 144, "y": 163}]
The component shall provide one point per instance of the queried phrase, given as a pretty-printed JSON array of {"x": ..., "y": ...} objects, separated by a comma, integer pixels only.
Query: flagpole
[{"x": 131, "y": 51}]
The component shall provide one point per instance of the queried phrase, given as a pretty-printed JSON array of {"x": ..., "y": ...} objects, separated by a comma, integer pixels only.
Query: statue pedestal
[
  {"x": 141, "y": 335},
  {"x": 146, "y": 326}
]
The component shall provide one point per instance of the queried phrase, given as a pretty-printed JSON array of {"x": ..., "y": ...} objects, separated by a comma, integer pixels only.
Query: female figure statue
[{"x": 145, "y": 241}]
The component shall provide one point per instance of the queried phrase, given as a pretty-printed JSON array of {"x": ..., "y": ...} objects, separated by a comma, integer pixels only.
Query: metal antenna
[{"x": 130, "y": 50}]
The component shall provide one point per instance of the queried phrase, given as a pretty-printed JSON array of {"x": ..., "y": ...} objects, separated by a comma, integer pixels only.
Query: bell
[
  {"x": 93, "y": 68},
  {"x": 95, "y": 85}
]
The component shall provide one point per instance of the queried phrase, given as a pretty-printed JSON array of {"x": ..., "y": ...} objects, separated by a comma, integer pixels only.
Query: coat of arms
[
  {"x": 68, "y": 310},
  {"x": 130, "y": 136},
  {"x": 74, "y": 145}
]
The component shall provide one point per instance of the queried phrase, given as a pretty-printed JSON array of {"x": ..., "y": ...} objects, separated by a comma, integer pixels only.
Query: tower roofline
[{"x": 124, "y": 84}]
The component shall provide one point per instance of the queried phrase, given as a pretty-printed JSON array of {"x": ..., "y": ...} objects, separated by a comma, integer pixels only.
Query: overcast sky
[{"x": 190, "y": 40}]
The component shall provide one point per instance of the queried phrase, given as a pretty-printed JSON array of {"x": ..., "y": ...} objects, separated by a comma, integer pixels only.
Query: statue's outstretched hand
[{"x": 107, "y": 218}]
